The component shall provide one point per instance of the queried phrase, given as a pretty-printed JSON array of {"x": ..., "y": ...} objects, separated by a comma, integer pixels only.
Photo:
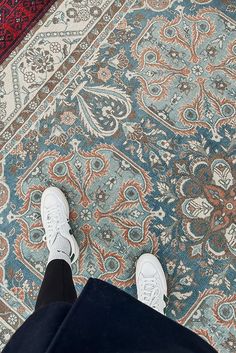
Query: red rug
[{"x": 17, "y": 17}]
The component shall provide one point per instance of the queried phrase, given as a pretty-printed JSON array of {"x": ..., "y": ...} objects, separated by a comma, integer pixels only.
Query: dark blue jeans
[{"x": 57, "y": 284}]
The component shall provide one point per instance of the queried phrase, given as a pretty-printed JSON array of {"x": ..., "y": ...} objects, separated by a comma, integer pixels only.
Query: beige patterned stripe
[{"x": 9, "y": 316}]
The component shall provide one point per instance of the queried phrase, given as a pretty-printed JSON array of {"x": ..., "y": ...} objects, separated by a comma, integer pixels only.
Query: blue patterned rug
[{"x": 130, "y": 109}]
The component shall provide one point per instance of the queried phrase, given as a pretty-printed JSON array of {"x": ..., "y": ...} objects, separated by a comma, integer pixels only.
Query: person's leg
[
  {"x": 57, "y": 284},
  {"x": 63, "y": 249}
]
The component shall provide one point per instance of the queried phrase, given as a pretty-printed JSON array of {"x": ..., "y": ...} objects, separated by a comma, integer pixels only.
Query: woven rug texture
[{"x": 129, "y": 107}]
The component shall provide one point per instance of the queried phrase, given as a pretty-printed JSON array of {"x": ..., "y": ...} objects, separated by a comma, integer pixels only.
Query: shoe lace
[
  {"x": 53, "y": 223},
  {"x": 151, "y": 293}
]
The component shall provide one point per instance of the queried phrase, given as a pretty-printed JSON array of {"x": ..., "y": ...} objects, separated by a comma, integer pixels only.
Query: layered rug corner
[{"x": 129, "y": 107}]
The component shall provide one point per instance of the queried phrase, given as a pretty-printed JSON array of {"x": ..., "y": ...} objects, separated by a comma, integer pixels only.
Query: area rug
[
  {"x": 129, "y": 108},
  {"x": 17, "y": 17}
]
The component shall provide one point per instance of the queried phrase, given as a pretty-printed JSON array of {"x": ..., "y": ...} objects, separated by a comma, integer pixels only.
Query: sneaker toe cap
[
  {"x": 50, "y": 200},
  {"x": 148, "y": 270}
]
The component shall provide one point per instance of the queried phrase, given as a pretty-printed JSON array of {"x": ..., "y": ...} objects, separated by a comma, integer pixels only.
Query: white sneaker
[
  {"x": 55, "y": 217},
  {"x": 151, "y": 282}
]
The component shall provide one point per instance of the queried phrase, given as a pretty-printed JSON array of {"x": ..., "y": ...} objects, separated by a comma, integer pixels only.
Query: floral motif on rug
[{"x": 132, "y": 115}]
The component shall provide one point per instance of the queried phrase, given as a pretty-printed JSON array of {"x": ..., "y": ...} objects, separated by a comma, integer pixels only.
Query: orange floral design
[
  {"x": 104, "y": 74},
  {"x": 68, "y": 118},
  {"x": 19, "y": 292}
]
